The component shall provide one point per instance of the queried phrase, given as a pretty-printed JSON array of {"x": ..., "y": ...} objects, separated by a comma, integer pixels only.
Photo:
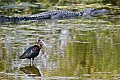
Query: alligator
[{"x": 55, "y": 14}]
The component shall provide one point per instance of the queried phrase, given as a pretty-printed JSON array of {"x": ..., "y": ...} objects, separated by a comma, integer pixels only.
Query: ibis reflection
[{"x": 31, "y": 70}]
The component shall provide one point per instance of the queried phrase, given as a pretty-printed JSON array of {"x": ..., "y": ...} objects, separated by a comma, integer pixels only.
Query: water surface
[{"x": 76, "y": 49}]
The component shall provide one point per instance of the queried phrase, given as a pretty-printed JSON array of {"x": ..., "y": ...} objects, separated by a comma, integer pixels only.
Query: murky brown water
[{"x": 76, "y": 49}]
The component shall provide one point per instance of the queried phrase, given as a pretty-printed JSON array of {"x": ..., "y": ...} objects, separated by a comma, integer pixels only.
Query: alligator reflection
[{"x": 31, "y": 70}]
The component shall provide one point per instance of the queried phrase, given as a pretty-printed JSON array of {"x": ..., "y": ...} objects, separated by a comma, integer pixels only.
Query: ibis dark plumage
[{"x": 33, "y": 51}]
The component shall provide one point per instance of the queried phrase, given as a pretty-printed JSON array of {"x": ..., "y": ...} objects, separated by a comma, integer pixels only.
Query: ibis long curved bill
[{"x": 44, "y": 43}]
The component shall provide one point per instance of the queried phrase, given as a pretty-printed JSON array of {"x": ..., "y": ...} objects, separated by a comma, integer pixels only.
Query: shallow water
[{"x": 76, "y": 49}]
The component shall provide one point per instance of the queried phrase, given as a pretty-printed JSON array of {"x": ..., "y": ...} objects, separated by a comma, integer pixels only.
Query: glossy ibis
[{"x": 33, "y": 51}]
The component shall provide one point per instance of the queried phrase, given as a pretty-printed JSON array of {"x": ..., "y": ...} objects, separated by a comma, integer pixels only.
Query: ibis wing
[{"x": 27, "y": 53}]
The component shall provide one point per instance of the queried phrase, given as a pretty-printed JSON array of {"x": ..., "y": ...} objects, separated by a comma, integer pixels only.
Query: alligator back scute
[{"x": 65, "y": 15}]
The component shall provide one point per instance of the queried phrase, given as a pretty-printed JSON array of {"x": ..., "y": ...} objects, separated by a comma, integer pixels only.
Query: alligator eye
[
  {"x": 93, "y": 10},
  {"x": 81, "y": 13}
]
